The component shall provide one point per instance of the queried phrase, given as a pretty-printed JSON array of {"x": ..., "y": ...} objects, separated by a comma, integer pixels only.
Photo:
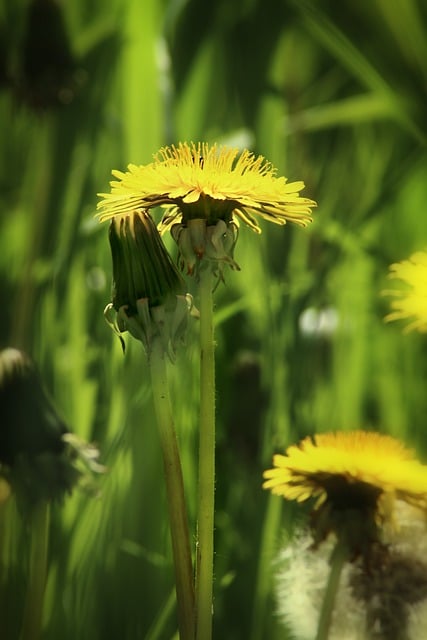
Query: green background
[{"x": 332, "y": 93}]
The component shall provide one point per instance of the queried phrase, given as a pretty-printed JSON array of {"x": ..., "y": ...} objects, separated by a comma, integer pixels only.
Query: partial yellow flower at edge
[
  {"x": 410, "y": 301},
  {"x": 216, "y": 182},
  {"x": 329, "y": 465},
  {"x": 5, "y": 490}
]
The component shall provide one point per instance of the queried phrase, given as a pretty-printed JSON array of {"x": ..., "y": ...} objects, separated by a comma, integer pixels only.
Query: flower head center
[
  {"x": 346, "y": 493},
  {"x": 207, "y": 208}
]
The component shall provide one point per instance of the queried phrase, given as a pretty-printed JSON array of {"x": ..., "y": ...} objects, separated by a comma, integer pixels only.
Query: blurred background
[{"x": 331, "y": 93}]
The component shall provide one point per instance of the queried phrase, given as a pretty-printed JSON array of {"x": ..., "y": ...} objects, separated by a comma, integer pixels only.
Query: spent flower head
[
  {"x": 386, "y": 600},
  {"x": 356, "y": 477},
  {"x": 148, "y": 296},
  {"x": 410, "y": 301},
  {"x": 39, "y": 458},
  {"x": 217, "y": 186}
]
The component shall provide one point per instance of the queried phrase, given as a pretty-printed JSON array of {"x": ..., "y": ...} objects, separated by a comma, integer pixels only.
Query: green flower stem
[
  {"x": 206, "y": 497},
  {"x": 175, "y": 493},
  {"x": 33, "y": 614},
  {"x": 271, "y": 525},
  {"x": 338, "y": 558}
]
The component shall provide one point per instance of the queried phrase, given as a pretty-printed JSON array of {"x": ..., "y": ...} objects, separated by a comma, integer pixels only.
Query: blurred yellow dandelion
[
  {"x": 410, "y": 301},
  {"x": 5, "y": 490},
  {"x": 346, "y": 468},
  {"x": 196, "y": 181}
]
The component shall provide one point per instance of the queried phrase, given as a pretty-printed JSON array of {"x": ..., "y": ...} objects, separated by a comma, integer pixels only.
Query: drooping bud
[{"x": 148, "y": 295}]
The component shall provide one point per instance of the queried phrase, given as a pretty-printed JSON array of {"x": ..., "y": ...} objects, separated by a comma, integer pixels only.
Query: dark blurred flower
[
  {"x": 39, "y": 457},
  {"x": 5, "y": 79},
  {"x": 48, "y": 74}
]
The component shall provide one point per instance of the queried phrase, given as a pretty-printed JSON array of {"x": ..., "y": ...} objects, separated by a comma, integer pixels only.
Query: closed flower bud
[{"x": 148, "y": 297}]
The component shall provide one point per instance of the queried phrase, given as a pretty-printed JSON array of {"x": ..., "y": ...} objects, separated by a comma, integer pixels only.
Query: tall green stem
[
  {"x": 338, "y": 558},
  {"x": 206, "y": 497},
  {"x": 33, "y": 614},
  {"x": 271, "y": 525},
  {"x": 175, "y": 493}
]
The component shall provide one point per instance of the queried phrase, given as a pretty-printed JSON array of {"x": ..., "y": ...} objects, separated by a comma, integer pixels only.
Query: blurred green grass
[{"x": 330, "y": 93}]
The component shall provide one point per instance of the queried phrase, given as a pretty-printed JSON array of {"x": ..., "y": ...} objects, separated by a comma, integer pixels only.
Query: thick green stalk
[
  {"x": 175, "y": 493},
  {"x": 338, "y": 558},
  {"x": 206, "y": 497},
  {"x": 33, "y": 614}
]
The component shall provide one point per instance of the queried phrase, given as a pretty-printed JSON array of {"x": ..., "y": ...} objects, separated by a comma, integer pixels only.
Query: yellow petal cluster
[
  {"x": 203, "y": 176},
  {"x": 362, "y": 457}
]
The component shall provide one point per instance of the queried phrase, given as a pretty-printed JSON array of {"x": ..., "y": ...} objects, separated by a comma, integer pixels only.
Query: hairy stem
[{"x": 206, "y": 496}]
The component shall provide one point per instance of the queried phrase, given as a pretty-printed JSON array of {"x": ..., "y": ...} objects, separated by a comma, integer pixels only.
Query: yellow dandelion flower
[
  {"x": 199, "y": 181},
  {"x": 411, "y": 301},
  {"x": 349, "y": 469}
]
